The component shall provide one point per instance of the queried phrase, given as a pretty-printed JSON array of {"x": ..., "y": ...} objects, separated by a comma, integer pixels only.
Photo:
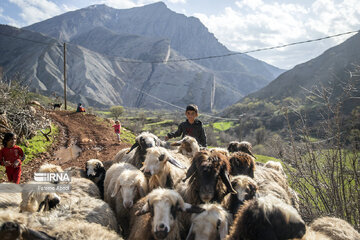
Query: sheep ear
[
  {"x": 190, "y": 171},
  {"x": 161, "y": 157},
  {"x": 145, "y": 209},
  {"x": 142, "y": 188},
  {"x": 136, "y": 144},
  {"x": 191, "y": 235},
  {"x": 192, "y": 208},
  {"x": 116, "y": 188},
  {"x": 225, "y": 178}
]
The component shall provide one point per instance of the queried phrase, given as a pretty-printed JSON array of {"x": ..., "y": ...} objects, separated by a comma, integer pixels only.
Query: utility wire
[
  {"x": 30, "y": 40},
  {"x": 120, "y": 59}
]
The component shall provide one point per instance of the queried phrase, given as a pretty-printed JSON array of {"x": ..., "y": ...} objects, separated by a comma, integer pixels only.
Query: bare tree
[{"x": 326, "y": 171}]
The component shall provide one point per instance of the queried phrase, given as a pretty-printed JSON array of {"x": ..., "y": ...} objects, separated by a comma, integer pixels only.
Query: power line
[
  {"x": 121, "y": 59},
  {"x": 232, "y": 53},
  {"x": 30, "y": 40}
]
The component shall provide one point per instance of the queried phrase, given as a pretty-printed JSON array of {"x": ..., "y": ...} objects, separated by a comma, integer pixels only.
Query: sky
[{"x": 240, "y": 25}]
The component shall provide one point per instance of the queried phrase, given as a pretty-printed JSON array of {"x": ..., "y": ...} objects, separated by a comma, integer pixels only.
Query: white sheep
[
  {"x": 163, "y": 169},
  {"x": 10, "y": 195},
  {"x": 35, "y": 199},
  {"x": 124, "y": 185},
  {"x": 142, "y": 142},
  {"x": 212, "y": 224},
  {"x": 163, "y": 222},
  {"x": 277, "y": 166},
  {"x": 188, "y": 146},
  {"x": 334, "y": 228}
]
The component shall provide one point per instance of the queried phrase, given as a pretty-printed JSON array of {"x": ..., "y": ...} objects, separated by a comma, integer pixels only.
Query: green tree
[{"x": 116, "y": 111}]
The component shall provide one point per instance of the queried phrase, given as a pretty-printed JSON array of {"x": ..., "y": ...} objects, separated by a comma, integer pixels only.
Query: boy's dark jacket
[{"x": 195, "y": 130}]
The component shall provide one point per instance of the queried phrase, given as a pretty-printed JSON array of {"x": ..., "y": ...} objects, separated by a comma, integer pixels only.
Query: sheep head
[
  {"x": 206, "y": 170},
  {"x": 146, "y": 140},
  {"x": 94, "y": 168},
  {"x": 245, "y": 187},
  {"x": 211, "y": 224},
  {"x": 132, "y": 185},
  {"x": 36, "y": 201},
  {"x": 163, "y": 205},
  {"x": 156, "y": 159},
  {"x": 188, "y": 146}
]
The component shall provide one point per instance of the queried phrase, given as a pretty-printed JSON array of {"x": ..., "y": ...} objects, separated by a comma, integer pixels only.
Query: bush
[{"x": 116, "y": 111}]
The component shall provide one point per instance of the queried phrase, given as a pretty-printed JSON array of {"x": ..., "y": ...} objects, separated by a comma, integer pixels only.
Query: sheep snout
[{"x": 161, "y": 231}]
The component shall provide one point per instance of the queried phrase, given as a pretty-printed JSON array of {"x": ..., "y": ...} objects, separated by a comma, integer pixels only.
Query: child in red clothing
[
  {"x": 11, "y": 156},
  {"x": 117, "y": 129}
]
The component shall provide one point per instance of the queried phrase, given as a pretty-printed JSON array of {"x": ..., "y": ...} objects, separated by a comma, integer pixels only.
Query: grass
[
  {"x": 222, "y": 126},
  {"x": 36, "y": 145},
  {"x": 127, "y": 136},
  {"x": 264, "y": 159}
]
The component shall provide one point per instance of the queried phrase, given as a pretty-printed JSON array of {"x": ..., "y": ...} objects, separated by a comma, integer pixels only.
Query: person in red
[
  {"x": 117, "y": 129},
  {"x": 11, "y": 156}
]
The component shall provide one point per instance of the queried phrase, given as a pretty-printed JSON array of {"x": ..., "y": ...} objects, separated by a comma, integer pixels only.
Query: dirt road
[{"x": 82, "y": 137}]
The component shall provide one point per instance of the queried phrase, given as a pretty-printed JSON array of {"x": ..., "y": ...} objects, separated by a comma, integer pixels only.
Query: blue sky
[{"x": 241, "y": 25}]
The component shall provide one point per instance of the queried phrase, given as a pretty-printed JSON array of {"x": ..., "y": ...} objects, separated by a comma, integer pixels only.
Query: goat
[
  {"x": 242, "y": 164},
  {"x": 95, "y": 171},
  {"x": 57, "y": 105},
  {"x": 267, "y": 218},
  {"x": 188, "y": 146},
  {"x": 246, "y": 189},
  {"x": 243, "y": 146},
  {"x": 212, "y": 224},
  {"x": 162, "y": 169},
  {"x": 163, "y": 205},
  {"x": 334, "y": 228},
  {"x": 124, "y": 185},
  {"x": 204, "y": 173},
  {"x": 142, "y": 142}
]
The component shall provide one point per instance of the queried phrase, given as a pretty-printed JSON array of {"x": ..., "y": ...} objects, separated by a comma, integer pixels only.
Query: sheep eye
[{"x": 161, "y": 157}]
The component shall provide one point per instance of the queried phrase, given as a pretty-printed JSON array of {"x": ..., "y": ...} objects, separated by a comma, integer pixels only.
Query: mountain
[
  {"x": 330, "y": 69},
  {"x": 98, "y": 80},
  {"x": 155, "y": 29}
]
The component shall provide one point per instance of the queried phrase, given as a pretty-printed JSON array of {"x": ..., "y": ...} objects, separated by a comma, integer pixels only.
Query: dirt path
[{"x": 94, "y": 137}]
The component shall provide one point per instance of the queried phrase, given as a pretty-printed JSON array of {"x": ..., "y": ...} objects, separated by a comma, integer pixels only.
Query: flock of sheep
[{"x": 158, "y": 190}]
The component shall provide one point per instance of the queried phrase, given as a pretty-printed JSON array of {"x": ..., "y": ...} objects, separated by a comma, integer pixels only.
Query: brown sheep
[
  {"x": 243, "y": 146},
  {"x": 267, "y": 218},
  {"x": 242, "y": 164},
  {"x": 204, "y": 173},
  {"x": 246, "y": 189}
]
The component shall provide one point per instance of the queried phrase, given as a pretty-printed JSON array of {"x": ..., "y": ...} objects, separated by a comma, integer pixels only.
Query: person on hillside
[
  {"x": 191, "y": 127},
  {"x": 117, "y": 129},
  {"x": 80, "y": 108},
  {"x": 11, "y": 156}
]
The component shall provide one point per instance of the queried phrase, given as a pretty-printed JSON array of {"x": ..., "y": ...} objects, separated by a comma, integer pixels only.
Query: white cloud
[
  {"x": 37, "y": 10},
  {"x": 253, "y": 24},
  {"x": 8, "y": 20},
  {"x": 177, "y": 1},
  {"x": 120, "y": 4}
]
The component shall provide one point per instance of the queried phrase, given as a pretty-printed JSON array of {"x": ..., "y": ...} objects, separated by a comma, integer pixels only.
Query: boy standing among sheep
[{"x": 191, "y": 127}]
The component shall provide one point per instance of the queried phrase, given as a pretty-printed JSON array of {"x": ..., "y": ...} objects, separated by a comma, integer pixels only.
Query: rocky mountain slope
[{"x": 155, "y": 32}]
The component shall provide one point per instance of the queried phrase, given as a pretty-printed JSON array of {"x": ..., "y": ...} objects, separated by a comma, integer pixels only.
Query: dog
[{"x": 57, "y": 105}]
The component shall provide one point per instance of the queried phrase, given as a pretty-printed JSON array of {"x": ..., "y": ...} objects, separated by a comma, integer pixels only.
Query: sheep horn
[
  {"x": 190, "y": 235},
  {"x": 136, "y": 144},
  {"x": 178, "y": 143},
  {"x": 176, "y": 163},
  {"x": 225, "y": 178},
  {"x": 31, "y": 234}
]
